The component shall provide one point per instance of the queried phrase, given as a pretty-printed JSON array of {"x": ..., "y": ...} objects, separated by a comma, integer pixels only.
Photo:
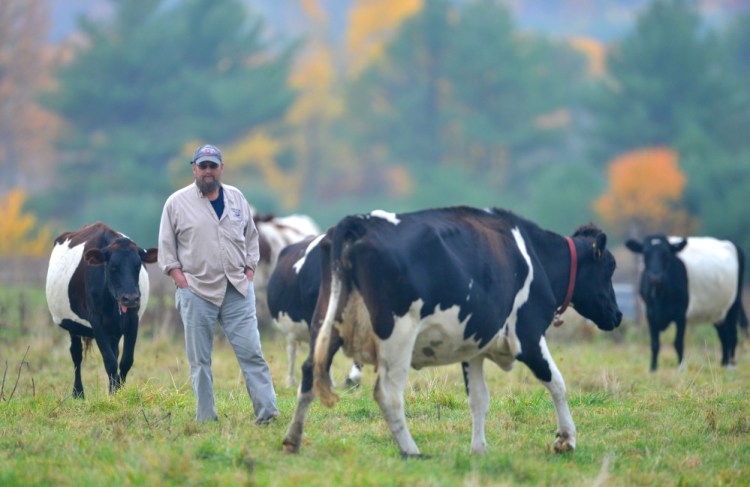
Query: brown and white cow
[
  {"x": 97, "y": 287},
  {"x": 450, "y": 285}
]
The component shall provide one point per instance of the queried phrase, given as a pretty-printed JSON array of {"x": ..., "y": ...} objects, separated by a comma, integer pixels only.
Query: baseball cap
[{"x": 207, "y": 152}]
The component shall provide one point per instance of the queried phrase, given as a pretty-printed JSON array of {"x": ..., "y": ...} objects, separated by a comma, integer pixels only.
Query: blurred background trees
[
  {"x": 139, "y": 88},
  {"x": 334, "y": 109}
]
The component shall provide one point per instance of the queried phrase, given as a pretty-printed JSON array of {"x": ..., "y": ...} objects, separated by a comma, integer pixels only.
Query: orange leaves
[
  {"x": 595, "y": 53},
  {"x": 17, "y": 229},
  {"x": 645, "y": 193}
]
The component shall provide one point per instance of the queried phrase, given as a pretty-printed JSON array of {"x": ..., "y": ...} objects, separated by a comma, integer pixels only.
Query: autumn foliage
[
  {"x": 645, "y": 194},
  {"x": 19, "y": 232}
]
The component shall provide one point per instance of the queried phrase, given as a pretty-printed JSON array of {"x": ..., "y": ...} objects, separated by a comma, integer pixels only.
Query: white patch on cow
[
  {"x": 292, "y": 330},
  {"x": 713, "y": 272},
  {"x": 143, "y": 287},
  {"x": 385, "y": 215},
  {"x": 440, "y": 339},
  {"x": 521, "y": 296},
  {"x": 655, "y": 241},
  {"x": 62, "y": 264},
  {"x": 298, "y": 265}
]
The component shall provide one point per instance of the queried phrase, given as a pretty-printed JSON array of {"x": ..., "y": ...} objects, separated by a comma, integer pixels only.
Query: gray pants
[{"x": 237, "y": 317}]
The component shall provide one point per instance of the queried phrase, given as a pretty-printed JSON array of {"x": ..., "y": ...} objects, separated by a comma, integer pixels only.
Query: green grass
[{"x": 634, "y": 427}]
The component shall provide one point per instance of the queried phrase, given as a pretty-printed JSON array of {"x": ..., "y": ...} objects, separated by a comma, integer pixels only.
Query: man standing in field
[{"x": 208, "y": 245}]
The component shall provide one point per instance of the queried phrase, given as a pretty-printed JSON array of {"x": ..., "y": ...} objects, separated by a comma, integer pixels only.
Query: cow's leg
[
  {"x": 479, "y": 400},
  {"x": 728, "y": 336},
  {"x": 679, "y": 342},
  {"x": 109, "y": 355},
  {"x": 291, "y": 353},
  {"x": 305, "y": 396},
  {"x": 654, "y": 330},
  {"x": 130, "y": 336},
  {"x": 394, "y": 361},
  {"x": 539, "y": 360},
  {"x": 76, "y": 353}
]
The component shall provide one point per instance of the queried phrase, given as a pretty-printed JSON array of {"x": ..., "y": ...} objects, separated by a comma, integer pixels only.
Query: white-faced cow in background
[
  {"x": 97, "y": 287},
  {"x": 691, "y": 280},
  {"x": 449, "y": 285},
  {"x": 292, "y": 294},
  {"x": 275, "y": 233}
]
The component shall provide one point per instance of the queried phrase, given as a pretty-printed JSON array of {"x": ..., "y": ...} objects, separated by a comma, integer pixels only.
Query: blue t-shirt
[{"x": 218, "y": 203}]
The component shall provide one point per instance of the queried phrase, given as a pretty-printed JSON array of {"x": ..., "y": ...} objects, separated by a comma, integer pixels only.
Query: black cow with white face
[
  {"x": 691, "y": 280},
  {"x": 449, "y": 285},
  {"x": 97, "y": 287},
  {"x": 292, "y": 294}
]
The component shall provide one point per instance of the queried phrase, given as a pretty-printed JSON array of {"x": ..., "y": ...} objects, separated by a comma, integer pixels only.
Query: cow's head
[
  {"x": 122, "y": 260},
  {"x": 658, "y": 255},
  {"x": 593, "y": 295}
]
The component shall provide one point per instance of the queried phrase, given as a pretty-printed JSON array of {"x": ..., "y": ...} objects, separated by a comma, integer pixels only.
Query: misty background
[{"x": 631, "y": 114}]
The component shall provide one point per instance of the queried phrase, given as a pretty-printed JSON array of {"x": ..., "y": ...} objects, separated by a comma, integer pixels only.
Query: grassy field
[{"x": 634, "y": 427}]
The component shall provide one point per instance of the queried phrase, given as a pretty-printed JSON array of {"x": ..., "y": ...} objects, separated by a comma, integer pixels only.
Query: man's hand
[
  {"x": 249, "y": 273},
  {"x": 179, "y": 278}
]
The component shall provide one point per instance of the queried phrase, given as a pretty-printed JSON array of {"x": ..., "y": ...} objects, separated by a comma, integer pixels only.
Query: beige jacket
[{"x": 208, "y": 250}]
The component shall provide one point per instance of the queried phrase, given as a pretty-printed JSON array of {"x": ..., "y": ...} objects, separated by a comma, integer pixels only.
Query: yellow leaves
[
  {"x": 645, "y": 192},
  {"x": 17, "y": 229},
  {"x": 314, "y": 77},
  {"x": 371, "y": 21}
]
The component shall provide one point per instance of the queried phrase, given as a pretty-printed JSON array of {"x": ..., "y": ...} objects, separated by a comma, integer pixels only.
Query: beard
[{"x": 207, "y": 186}]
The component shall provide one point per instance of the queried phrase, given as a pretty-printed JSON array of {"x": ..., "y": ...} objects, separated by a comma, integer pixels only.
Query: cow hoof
[
  {"x": 350, "y": 384},
  {"x": 563, "y": 444},
  {"x": 78, "y": 394},
  {"x": 290, "y": 448}
]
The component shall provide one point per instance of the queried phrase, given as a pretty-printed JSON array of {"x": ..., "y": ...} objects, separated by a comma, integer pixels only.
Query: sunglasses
[{"x": 207, "y": 164}]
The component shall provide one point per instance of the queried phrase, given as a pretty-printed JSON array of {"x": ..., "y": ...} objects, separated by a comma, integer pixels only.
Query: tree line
[{"x": 423, "y": 104}]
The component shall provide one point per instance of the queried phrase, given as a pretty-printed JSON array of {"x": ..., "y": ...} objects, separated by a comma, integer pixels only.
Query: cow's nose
[{"x": 130, "y": 300}]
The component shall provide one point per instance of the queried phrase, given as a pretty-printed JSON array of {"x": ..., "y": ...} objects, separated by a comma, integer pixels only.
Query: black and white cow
[
  {"x": 292, "y": 294},
  {"x": 275, "y": 233},
  {"x": 449, "y": 285},
  {"x": 691, "y": 280},
  {"x": 97, "y": 287}
]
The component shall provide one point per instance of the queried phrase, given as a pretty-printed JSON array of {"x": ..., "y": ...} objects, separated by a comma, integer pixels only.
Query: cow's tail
[
  {"x": 335, "y": 284},
  {"x": 741, "y": 309}
]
